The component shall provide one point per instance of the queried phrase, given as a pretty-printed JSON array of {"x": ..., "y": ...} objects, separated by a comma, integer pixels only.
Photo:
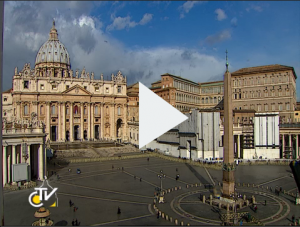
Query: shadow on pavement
[
  {"x": 61, "y": 223},
  {"x": 199, "y": 177}
]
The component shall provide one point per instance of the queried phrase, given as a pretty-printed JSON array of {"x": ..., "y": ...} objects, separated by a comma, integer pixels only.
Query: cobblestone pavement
[{"x": 102, "y": 187}]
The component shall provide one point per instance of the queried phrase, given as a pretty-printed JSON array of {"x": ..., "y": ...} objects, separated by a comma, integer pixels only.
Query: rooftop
[
  {"x": 180, "y": 78},
  {"x": 264, "y": 68}
]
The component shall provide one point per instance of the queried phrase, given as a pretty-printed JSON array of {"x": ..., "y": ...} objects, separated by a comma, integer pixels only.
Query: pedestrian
[
  {"x": 119, "y": 210},
  {"x": 73, "y": 223},
  {"x": 76, "y": 222},
  {"x": 157, "y": 214},
  {"x": 51, "y": 172},
  {"x": 148, "y": 159},
  {"x": 122, "y": 168},
  {"x": 176, "y": 169},
  {"x": 293, "y": 218},
  {"x": 140, "y": 179},
  {"x": 241, "y": 222},
  {"x": 54, "y": 164},
  {"x": 112, "y": 167},
  {"x": 265, "y": 202},
  {"x": 70, "y": 202},
  {"x": 134, "y": 177},
  {"x": 255, "y": 208}
]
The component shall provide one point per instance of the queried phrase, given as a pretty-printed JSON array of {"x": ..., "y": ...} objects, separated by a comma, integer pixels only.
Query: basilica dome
[{"x": 53, "y": 51}]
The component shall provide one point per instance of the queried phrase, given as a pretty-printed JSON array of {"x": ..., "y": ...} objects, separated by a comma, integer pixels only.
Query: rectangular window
[
  {"x": 287, "y": 92},
  {"x": 280, "y": 107},
  {"x": 119, "y": 89},
  {"x": 266, "y": 107},
  {"x": 42, "y": 87},
  {"x": 67, "y": 87},
  {"x": 119, "y": 111},
  {"x": 287, "y": 106},
  {"x": 26, "y": 84},
  {"x": 54, "y": 87},
  {"x": 107, "y": 90},
  {"x": 273, "y": 107},
  {"x": 96, "y": 88},
  {"x": 5, "y": 99},
  {"x": 85, "y": 87},
  {"x": 258, "y": 107}
]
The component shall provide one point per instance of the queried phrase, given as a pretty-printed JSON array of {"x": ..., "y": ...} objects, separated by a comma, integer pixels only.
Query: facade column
[
  {"x": 113, "y": 122},
  {"x": 81, "y": 120},
  {"x": 21, "y": 153},
  {"x": 4, "y": 149},
  {"x": 102, "y": 120},
  {"x": 13, "y": 148},
  {"x": 18, "y": 156},
  {"x": 125, "y": 123},
  {"x": 71, "y": 123},
  {"x": 92, "y": 122},
  {"x": 63, "y": 121},
  {"x": 18, "y": 109},
  {"x": 297, "y": 148},
  {"x": 89, "y": 121},
  {"x": 8, "y": 168},
  {"x": 59, "y": 137},
  {"x": 41, "y": 162},
  {"x": 48, "y": 119},
  {"x": 238, "y": 146}
]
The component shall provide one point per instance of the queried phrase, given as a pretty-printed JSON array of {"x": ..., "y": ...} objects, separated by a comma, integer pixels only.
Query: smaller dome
[{"x": 53, "y": 50}]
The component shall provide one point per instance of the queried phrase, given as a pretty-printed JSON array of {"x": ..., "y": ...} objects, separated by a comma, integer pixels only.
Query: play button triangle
[{"x": 156, "y": 116}]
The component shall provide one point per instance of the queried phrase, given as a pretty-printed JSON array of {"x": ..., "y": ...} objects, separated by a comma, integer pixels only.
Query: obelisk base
[{"x": 228, "y": 189}]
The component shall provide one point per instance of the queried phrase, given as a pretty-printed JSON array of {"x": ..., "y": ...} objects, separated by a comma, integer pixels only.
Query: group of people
[{"x": 75, "y": 222}]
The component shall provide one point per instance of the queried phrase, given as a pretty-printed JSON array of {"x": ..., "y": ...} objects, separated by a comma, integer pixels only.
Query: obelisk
[{"x": 228, "y": 152}]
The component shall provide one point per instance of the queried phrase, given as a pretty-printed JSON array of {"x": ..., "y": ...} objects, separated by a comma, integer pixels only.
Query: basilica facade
[{"x": 73, "y": 105}]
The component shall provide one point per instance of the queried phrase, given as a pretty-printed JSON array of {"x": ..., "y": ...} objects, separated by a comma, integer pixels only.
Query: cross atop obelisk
[{"x": 228, "y": 153}]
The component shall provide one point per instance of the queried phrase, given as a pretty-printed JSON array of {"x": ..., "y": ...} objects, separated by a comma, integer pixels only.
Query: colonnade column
[
  {"x": 71, "y": 122},
  {"x": 18, "y": 157},
  {"x": 59, "y": 137},
  {"x": 48, "y": 120},
  {"x": 89, "y": 121},
  {"x": 238, "y": 146},
  {"x": 290, "y": 143},
  {"x": 28, "y": 152},
  {"x": 41, "y": 162},
  {"x": 297, "y": 148},
  {"x": 4, "y": 149},
  {"x": 81, "y": 120},
  {"x": 283, "y": 145},
  {"x": 92, "y": 121},
  {"x": 9, "y": 168},
  {"x": 102, "y": 120},
  {"x": 13, "y": 147},
  {"x": 64, "y": 121}
]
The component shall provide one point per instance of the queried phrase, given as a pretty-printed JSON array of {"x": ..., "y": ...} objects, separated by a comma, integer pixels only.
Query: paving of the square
[{"x": 99, "y": 190}]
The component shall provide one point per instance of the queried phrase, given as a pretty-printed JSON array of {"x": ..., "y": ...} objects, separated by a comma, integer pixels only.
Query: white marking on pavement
[
  {"x": 127, "y": 219},
  {"x": 276, "y": 179},
  {"x": 209, "y": 176}
]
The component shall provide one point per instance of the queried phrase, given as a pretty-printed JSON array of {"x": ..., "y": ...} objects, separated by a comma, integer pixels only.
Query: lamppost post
[{"x": 161, "y": 176}]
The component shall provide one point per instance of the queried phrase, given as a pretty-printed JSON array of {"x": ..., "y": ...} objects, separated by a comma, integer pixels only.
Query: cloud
[
  {"x": 146, "y": 19},
  {"x": 234, "y": 22},
  {"x": 255, "y": 8},
  {"x": 84, "y": 39},
  {"x": 120, "y": 23},
  {"x": 220, "y": 14},
  {"x": 165, "y": 18},
  {"x": 187, "y": 6},
  {"x": 219, "y": 37}
]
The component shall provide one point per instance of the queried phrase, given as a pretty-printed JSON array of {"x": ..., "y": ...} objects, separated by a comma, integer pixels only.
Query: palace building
[{"x": 73, "y": 105}]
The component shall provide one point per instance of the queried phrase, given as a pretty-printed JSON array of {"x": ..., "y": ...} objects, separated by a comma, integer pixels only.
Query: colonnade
[
  {"x": 288, "y": 143},
  {"x": 20, "y": 153}
]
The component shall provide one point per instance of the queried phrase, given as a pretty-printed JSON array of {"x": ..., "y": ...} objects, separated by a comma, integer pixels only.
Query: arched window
[
  {"x": 96, "y": 110},
  {"x": 52, "y": 109},
  {"x": 67, "y": 110},
  {"x": 42, "y": 110},
  {"x": 119, "y": 111},
  {"x": 75, "y": 109},
  {"x": 26, "y": 109}
]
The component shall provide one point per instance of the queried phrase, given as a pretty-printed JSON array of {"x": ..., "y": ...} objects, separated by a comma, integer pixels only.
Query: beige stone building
[
  {"x": 133, "y": 113},
  {"x": 73, "y": 105},
  {"x": 181, "y": 93}
]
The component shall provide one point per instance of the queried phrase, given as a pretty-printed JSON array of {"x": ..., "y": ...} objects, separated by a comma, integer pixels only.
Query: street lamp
[{"x": 161, "y": 176}]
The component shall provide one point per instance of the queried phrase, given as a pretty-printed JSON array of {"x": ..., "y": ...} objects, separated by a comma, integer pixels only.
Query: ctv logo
[{"x": 47, "y": 194}]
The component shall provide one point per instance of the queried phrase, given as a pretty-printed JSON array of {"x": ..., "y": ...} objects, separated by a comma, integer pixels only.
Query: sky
[{"x": 145, "y": 39}]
